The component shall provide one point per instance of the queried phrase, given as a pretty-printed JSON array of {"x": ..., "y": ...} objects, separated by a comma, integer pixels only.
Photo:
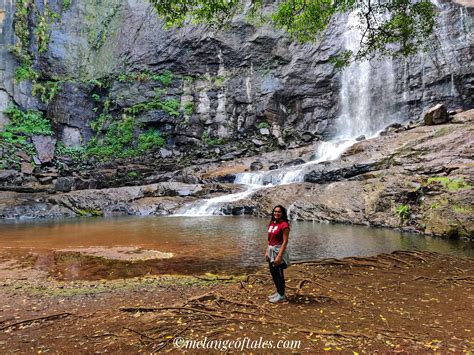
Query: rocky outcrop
[
  {"x": 235, "y": 80},
  {"x": 417, "y": 179},
  {"x": 154, "y": 199}
]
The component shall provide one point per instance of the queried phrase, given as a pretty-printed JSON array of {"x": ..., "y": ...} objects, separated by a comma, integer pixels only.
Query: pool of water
[{"x": 217, "y": 244}]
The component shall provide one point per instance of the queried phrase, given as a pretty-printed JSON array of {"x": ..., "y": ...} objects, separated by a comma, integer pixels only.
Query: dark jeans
[{"x": 278, "y": 276}]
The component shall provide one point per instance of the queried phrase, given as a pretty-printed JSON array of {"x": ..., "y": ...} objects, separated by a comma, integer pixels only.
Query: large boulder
[
  {"x": 45, "y": 146},
  {"x": 436, "y": 115}
]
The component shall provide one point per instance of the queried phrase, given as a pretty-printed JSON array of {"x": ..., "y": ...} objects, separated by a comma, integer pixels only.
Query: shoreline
[{"x": 404, "y": 301}]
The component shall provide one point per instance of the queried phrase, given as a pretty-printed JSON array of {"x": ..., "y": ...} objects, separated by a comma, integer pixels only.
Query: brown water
[{"x": 94, "y": 248}]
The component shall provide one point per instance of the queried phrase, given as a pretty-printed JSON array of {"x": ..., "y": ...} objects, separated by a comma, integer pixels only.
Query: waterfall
[{"x": 367, "y": 90}]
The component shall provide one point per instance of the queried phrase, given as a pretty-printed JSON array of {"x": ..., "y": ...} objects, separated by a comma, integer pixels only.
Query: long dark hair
[{"x": 284, "y": 214}]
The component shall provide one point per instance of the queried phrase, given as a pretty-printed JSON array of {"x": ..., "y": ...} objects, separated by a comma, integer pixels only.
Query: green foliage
[
  {"x": 98, "y": 124},
  {"x": 25, "y": 72},
  {"x": 133, "y": 174},
  {"x": 46, "y": 90},
  {"x": 22, "y": 30},
  {"x": 403, "y": 211},
  {"x": 188, "y": 108},
  {"x": 96, "y": 97},
  {"x": 43, "y": 27},
  {"x": 212, "y": 12},
  {"x": 17, "y": 134},
  {"x": 188, "y": 79},
  {"x": 91, "y": 212},
  {"x": 392, "y": 28},
  {"x": 263, "y": 124},
  {"x": 462, "y": 209},
  {"x": 452, "y": 184},
  {"x": 100, "y": 83},
  {"x": 122, "y": 77},
  {"x": 166, "y": 78},
  {"x": 66, "y": 4},
  {"x": 27, "y": 123},
  {"x": 170, "y": 106},
  {"x": 206, "y": 139},
  {"x": 117, "y": 141},
  {"x": 77, "y": 154},
  {"x": 150, "y": 140},
  {"x": 219, "y": 81},
  {"x": 342, "y": 60}
]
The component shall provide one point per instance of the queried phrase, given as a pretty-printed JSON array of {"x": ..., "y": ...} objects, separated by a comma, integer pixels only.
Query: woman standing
[{"x": 276, "y": 253}]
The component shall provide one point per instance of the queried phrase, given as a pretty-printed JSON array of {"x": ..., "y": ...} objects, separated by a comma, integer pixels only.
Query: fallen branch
[
  {"x": 394, "y": 258},
  {"x": 158, "y": 309},
  {"x": 32, "y": 320},
  {"x": 230, "y": 278}
]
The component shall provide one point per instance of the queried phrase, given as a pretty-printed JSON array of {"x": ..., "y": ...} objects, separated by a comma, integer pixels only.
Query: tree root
[{"x": 32, "y": 320}]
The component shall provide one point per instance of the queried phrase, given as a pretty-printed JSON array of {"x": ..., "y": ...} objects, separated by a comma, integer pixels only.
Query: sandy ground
[{"x": 412, "y": 302}]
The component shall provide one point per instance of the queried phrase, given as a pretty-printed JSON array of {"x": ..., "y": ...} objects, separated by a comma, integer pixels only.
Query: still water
[{"x": 208, "y": 244}]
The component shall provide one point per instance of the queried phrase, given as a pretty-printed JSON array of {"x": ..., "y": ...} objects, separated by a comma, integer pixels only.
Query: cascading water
[{"x": 366, "y": 91}]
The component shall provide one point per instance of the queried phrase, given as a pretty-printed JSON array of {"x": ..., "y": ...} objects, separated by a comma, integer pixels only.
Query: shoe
[
  {"x": 273, "y": 296},
  {"x": 277, "y": 299}
]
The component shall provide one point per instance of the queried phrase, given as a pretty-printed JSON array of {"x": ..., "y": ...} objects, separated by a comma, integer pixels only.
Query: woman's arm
[{"x": 286, "y": 234}]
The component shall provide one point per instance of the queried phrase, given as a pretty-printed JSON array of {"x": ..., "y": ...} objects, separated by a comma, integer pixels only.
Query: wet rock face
[{"x": 242, "y": 76}]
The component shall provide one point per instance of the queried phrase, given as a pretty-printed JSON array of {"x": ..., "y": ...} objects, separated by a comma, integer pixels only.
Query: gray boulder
[
  {"x": 45, "y": 146},
  {"x": 436, "y": 115}
]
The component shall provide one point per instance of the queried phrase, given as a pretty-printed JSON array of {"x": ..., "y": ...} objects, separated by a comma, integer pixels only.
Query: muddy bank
[{"x": 399, "y": 302}]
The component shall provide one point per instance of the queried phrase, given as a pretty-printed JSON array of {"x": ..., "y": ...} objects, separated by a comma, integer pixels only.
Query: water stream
[{"x": 366, "y": 91}]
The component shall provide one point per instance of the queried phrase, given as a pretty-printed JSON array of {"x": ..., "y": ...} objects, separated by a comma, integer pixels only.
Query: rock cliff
[{"x": 134, "y": 104}]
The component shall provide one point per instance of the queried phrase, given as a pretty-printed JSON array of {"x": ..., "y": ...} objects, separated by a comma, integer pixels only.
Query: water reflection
[{"x": 217, "y": 243}]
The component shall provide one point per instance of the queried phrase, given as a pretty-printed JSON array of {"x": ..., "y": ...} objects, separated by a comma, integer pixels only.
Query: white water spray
[{"x": 366, "y": 91}]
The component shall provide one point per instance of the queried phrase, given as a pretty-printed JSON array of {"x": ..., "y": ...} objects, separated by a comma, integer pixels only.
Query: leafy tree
[{"x": 388, "y": 27}]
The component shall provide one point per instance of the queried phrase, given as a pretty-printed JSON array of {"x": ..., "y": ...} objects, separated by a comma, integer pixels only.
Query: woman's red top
[{"x": 275, "y": 232}]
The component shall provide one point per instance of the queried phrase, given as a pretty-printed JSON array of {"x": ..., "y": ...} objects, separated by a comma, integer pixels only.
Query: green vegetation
[
  {"x": 263, "y": 125},
  {"x": 25, "y": 72},
  {"x": 170, "y": 106},
  {"x": 133, "y": 174},
  {"x": 98, "y": 124},
  {"x": 403, "y": 211},
  {"x": 17, "y": 134},
  {"x": 288, "y": 132},
  {"x": 27, "y": 123},
  {"x": 77, "y": 154},
  {"x": 210, "y": 141},
  {"x": 20, "y": 49},
  {"x": 452, "y": 184},
  {"x": 166, "y": 78},
  {"x": 117, "y": 142},
  {"x": 92, "y": 212},
  {"x": 47, "y": 90},
  {"x": 149, "y": 140},
  {"x": 391, "y": 28},
  {"x": 43, "y": 27},
  {"x": 66, "y": 4},
  {"x": 188, "y": 108},
  {"x": 219, "y": 81}
]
